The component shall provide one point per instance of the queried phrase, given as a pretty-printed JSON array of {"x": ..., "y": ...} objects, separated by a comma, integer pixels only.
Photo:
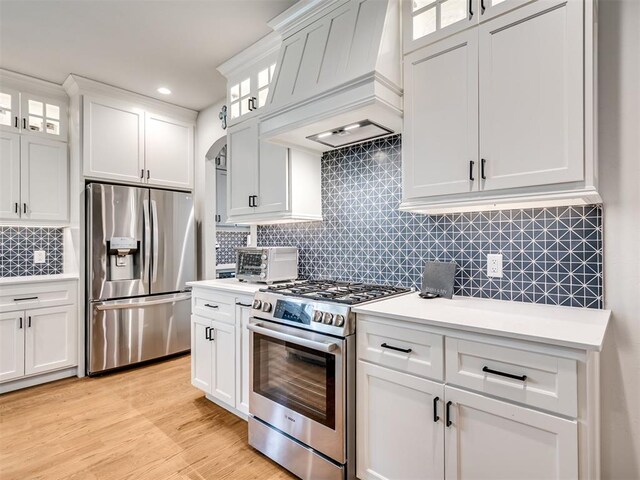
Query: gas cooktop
[{"x": 334, "y": 291}]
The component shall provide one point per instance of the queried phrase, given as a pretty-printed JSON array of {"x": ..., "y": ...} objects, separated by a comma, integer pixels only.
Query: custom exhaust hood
[{"x": 338, "y": 75}]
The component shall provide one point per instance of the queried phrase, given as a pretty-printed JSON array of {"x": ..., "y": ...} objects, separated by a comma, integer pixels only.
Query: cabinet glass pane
[
  {"x": 53, "y": 127},
  {"x": 245, "y": 87},
  {"x": 418, "y": 4},
  {"x": 36, "y": 124},
  {"x": 235, "y": 110},
  {"x": 452, "y": 11},
  {"x": 262, "y": 97},
  {"x": 263, "y": 78},
  {"x": 53, "y": 111},
  {"x": 234, "y": 92},
  {"x": 35, "y": 108},
  {"x": 495, "y": 2},
  {"x": 5, "y": 101},
  {"x": 244, "y": 106},
  {"x": 424, "y": 23},
  {"x": 5, "y": 116}
]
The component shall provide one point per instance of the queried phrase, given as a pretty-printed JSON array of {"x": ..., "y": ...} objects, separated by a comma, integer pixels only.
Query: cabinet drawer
[
  {"x": 28, "y": 296},
  {"x": 535, "y": 379},
  {"x": 213, "y": 306},
  {"x": 387, "y": 344}
]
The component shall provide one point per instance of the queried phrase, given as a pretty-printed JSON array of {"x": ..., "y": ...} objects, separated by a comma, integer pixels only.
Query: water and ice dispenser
[{"x": 124, "y": 258}]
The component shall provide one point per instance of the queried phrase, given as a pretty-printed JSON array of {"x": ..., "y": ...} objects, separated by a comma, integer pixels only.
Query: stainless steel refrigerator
[{"x": 140, "y": 254}]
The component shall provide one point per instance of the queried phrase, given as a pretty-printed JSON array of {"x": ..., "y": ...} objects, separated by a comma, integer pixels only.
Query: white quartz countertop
[
  {"x": 37, "y": 279},
  {"x": 228, "y": 285},
  {"x": 581, "y": 328}
]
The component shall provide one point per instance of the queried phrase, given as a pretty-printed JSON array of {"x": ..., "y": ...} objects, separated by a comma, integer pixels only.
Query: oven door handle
[{"x": 267, "y": 332}]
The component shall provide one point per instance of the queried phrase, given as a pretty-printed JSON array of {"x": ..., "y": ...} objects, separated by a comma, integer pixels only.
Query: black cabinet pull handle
[
  {"x": 211, "y": 306},
  {"x": 17, "y": 207},
  {"x": 435, "y": 409},
  {"x": 24, "y": 299},
  {"x": 255, "y": 200},
  {"x": 482, "y": 9},
  {"x": 397, "y": 349},
  {"x": 522, "y": 378},
  {"x": 20, "y": 317},
  {"x": 29, "y": 325},
  {"x": 250, "y": 200},
  {"x": 470, "y": 10},
  {"x": 16, "y": 121},
  {"x": 24, "y": 207},
  {"x": 471, "y": 164},
  {"x": 483, "y": 162},
  {"x": 142, "y": 173},
  {"x": 244, "y": 304},
  {"x": 148, "y": 174},
  {"x": 206, "y": 333},
  {"x": 448, "y": 414},
  {"x": 24, "y": 123}
]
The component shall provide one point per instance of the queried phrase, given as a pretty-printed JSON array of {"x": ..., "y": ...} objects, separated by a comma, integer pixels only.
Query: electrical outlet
[
  {"x": 39, "y": 256},
  {"x": 494, "y": 265}
]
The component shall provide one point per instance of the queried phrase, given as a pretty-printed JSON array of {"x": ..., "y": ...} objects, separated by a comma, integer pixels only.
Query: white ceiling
[{"x": 137, "y": 45}]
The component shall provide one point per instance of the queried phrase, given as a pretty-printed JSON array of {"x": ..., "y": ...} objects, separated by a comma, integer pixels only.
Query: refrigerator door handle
[
  {"x": 147, "y": 241},
  {"x": 154, "y": 220},
  {"x": 143, "y": 304}
]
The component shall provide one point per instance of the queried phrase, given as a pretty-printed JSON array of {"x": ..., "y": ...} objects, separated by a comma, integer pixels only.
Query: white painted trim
[
  {"x": 300, "y": 14},
  {"x": 37, "y": 380},
  {"x": 256, "y": 53},
  {"x": 30, "y": 84}
]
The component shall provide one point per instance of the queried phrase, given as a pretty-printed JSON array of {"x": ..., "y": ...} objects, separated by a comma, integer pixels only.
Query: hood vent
[{"x": 340, "y": 63}]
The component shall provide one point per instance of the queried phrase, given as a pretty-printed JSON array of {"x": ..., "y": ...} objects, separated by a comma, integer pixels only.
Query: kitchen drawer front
[
  {"x": 544, "y": 381},
  {"x": 378, "y": 343},
  {"x": 40, "y": 295},
  {"x": 214, "y": 306}
]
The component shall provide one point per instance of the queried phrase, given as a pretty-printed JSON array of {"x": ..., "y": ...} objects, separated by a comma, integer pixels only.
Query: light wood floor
[{"x": 147, "y": 423}]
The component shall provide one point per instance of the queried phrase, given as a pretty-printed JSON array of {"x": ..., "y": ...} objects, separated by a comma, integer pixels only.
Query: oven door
[{"x": 297, "y": 384}]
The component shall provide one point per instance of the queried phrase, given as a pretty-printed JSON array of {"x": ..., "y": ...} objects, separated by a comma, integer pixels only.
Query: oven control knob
[
  {"x": 327, "y": 318},
  {"x": 317, "y": 316},
  {"x": 263, "y": 266},
  {"x": 257, "y": 304},
  {"x": 338, "y": 320},
  {"x": 263, "y": 275},
  {"x": 266, "y": 307},
  {"x": 264, "y": 256}
]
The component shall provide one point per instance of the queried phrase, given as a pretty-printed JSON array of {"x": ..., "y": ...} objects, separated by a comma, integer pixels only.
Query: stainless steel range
[{"x": 302, "y": 374}]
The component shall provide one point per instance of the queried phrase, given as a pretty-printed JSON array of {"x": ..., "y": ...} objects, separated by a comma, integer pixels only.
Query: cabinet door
[
  {"x": 201, "y": 353},
  {"x": 441, "y": 118},
  {"x": 492, "y": 439},
  {"x": 224, "y": 362},
  {"x": 50, "y": 341},
  {"x": 221, "y": 197},
  {"x": 274, "y": 179},
  {"x": 168, "y": 152},
  {"x": 399, "y": 434},
  {"x": 9, "y": 109},
  {"x": 492, "y": 8},
  {"x": 113, "y": 140},
  {"x": 44, "y": 117},
  {"x": 44, "y": 179},
  {"x": 531, "y": 100},
  {"x": 10, "y": 179},
  {"x": 242, "y": 344},
  {"x": 242, "y": 167},
  {"x": 11, "y": 345}
]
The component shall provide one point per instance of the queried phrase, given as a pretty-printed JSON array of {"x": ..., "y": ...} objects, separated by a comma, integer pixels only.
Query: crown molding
[
  {"x": 19, "y": 81},
  {"x": 263, "y": 48}
]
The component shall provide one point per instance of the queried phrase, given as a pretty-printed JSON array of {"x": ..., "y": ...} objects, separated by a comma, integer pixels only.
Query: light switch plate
[
  {"x": 494, "y": 265},
  {"x": 39, "y": 256}
]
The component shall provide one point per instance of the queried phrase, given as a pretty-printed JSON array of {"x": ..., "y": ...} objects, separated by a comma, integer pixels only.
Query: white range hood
[{"x": 338, "y": 76}]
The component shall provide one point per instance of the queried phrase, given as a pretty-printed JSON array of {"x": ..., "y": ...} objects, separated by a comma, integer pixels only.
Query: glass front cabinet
[
  {"x": 23, "y": 112},
  {"x": 249, "y": 92}
]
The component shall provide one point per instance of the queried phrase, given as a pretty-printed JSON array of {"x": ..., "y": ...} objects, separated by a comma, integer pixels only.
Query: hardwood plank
[{"x": 146, "y": 423}]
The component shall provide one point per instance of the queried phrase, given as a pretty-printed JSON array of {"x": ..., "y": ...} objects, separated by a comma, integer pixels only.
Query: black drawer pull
[
  {"x": 435, "y": 409},
  {"x": 24, "y": 299},
  {"x": 522, "y": 378},
  {"x": 448, "y": 414},
  {"x": 244, "y": 304},
  {"x": 206, "y": 333},
  {"x": 397, "y": 349}
]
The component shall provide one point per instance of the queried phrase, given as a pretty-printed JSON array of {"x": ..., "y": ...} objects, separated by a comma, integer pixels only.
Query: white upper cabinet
[
  {"x": 44, "y": 116},
  {"x": 531, "y": 96},
  {"x": 500, "y": 115},
  {"x": 10, "y": 207},
  {"x": 10, "y": 119},
  {"x": 242, "y": 168},
  {"x": 440, "y": 151},
  {"x": 113, "y": 139},
  {"x": 168, "y": 151}
]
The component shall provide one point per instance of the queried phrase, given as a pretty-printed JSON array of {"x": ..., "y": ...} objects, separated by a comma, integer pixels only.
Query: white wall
[
  {"x": 208, "y": 130},
  {"x": 619, "y": 156}
]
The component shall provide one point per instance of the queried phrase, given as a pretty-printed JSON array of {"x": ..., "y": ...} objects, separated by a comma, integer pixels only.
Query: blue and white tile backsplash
[
  {"x": 226, "y": 243},
  {"x": 550, "y": 255},
  {"x": 17, "y": 245}
]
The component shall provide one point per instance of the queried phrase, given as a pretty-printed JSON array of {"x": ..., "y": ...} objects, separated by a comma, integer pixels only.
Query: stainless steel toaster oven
[{"x": 266, "y": 264}]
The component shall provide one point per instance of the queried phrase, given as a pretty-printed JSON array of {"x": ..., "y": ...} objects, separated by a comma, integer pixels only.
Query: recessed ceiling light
[
  {"x": 351, "y": 127},
  {"x": 164, "y": 91},
  {"x": 326, "y": 134}
]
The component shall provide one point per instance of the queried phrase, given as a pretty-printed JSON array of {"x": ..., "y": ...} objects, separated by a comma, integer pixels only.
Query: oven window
[{"x": 296, "y": 377}]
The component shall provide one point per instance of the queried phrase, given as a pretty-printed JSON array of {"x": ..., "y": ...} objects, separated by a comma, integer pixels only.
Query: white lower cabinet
[
  {"x": 11, "y": 345},
  {"x": 399, "y": 434},
  {"x": 201, "y": 348},
  {"x": 223, "y": 383},
  {"x": 50, "y": 339},
  {"x": 462, "y": 426}
]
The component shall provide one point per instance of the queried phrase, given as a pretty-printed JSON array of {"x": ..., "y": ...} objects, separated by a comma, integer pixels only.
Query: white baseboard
[{"x": 37, "y": 379}]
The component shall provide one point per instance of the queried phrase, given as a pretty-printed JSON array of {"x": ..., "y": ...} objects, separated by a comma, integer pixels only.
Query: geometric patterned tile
[
  {"x": 226, "y": 243},
  {"x": 550, "y": 255},
  {"x": 17, "y": 245}
]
